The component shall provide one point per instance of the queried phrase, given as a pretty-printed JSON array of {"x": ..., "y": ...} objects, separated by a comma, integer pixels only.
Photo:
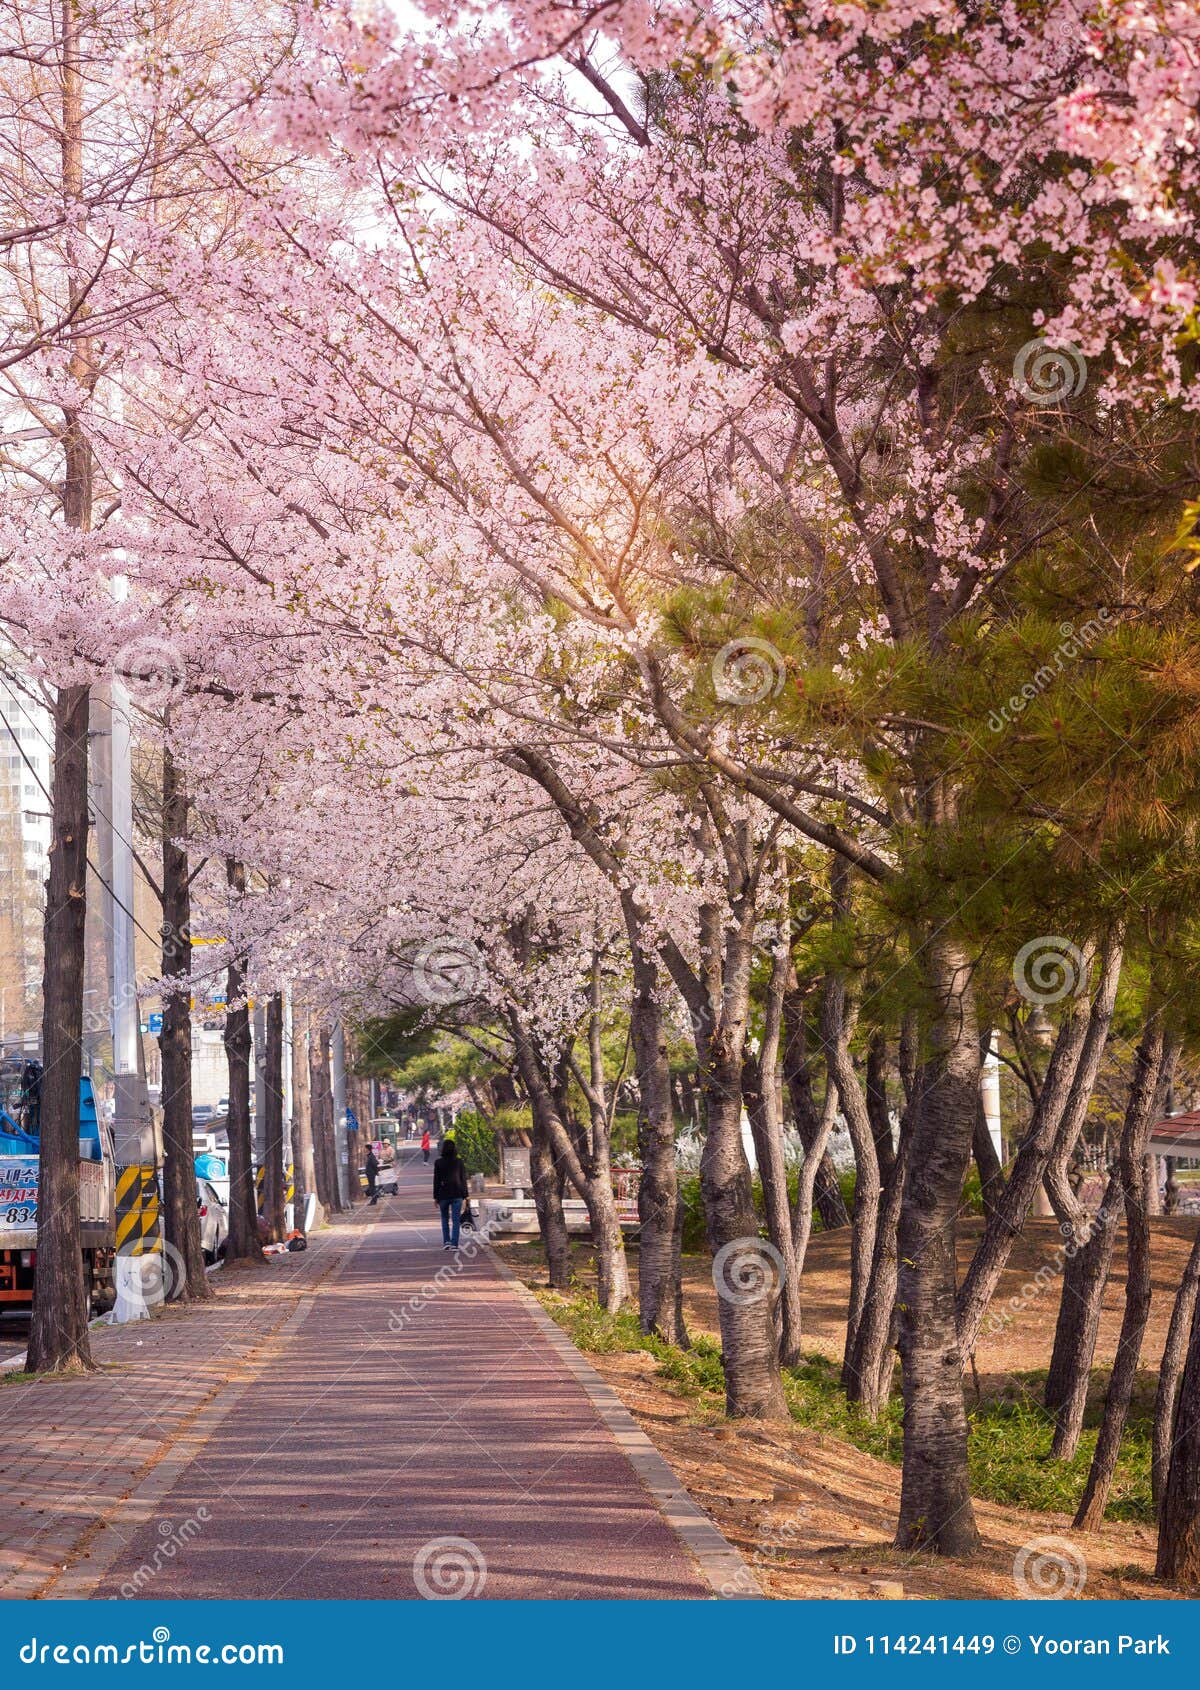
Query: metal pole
[{"x": 138, "y": 1226}]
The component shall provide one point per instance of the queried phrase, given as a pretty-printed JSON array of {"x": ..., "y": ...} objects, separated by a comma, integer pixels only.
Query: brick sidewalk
[
  {"x": 75, "y": 1447},
  {"x": 374, "y": 1419}
]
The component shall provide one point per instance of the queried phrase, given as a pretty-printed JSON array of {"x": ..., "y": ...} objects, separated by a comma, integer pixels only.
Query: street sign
[{"x": 154, "y": 1022}]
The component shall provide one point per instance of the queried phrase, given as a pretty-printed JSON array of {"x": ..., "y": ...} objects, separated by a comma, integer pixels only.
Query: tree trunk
[
  {"x": 243, "y": 1244},
  {"x": 547, "y": 1201},
  {"x": 768, "y": 1149},
  {"x": 760, "y": 1092},
  {"x": 354, "y": 1158},
  {"x": 58, "y": 1333},
  {"x": 838, "y": 1016},
  {"x": 1171, "y": 1369},
  {"x": 593, "y": 1181},
  {"x": 744, "y": 1275},
  {"x": 812, "y": 1124},
  {"x": 274, "y": 1183},
  {"x": 1088, "y": 1258},
  {"x": 988, "y": 1164},
  {"x": 876, "y": 1095},
  {"x": 660, "y": 1291},
  {"x": 1179, "y": 1511},
  {"x": 187, "y": 1282},
  {"x": 1057, "y": 1117},
  {"x": 1153, "y": 1066},
  {"x": 321, "y": 1102},
  {"x": 1088, "y": 1263},
  {"x": 303, "y": 1156},
  {"x": 1085, "y": 1274},
  {"x": 810, "y": 1169},
  {"x": 935, "y": 1499},
  {"x": 871, "y": 1363}
]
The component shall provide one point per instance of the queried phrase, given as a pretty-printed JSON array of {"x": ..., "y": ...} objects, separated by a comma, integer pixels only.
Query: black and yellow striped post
[
  {"x": 260, "y": 1187},
  {"x": 139, "y": 1220}
]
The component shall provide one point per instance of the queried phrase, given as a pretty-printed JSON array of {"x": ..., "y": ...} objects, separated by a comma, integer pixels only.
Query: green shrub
[
  {"x": 971, "y": 1202},
  {"x": 695, "y": 1240},
  {"x": 476, "y": 1142}
]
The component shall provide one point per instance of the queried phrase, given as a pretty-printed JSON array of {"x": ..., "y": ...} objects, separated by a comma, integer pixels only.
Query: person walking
[
  {"x": 371, "y": 1168},
  {"x": 425, "y": 1142},
  {"x": 449, "y": 1191}
]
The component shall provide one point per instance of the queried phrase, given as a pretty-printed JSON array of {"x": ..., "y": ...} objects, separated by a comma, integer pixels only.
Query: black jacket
[{"x": 449, "y": 1178}]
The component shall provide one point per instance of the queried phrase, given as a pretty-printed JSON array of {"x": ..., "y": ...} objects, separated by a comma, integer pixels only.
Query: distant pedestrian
[
  {"x": 425, "y": 1142},
  {"x": 449, "y": 1191},
  {"x": 371, "y": 1168}
]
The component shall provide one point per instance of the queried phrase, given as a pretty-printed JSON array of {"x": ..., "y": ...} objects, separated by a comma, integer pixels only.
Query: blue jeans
[{"x": 451, "y": 1208}]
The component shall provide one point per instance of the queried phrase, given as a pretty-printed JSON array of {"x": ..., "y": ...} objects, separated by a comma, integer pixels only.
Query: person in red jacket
[{"x": 425, "y": 1144}]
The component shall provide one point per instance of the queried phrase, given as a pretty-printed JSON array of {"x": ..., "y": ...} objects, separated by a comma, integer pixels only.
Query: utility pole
[{"x": 139, "y": 1260}]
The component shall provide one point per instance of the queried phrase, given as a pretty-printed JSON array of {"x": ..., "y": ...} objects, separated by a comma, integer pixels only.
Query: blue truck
[{"x": 20, "y": 1127}]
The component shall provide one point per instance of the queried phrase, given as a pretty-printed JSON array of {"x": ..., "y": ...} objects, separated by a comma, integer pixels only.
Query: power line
[{"x": 153, "y": 937}]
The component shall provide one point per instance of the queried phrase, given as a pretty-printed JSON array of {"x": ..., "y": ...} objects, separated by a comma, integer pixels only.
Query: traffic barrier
[{"x": 139, "y": 1215}]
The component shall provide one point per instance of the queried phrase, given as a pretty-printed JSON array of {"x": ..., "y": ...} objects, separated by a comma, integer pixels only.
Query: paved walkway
[{"x": 384, "y": 1437}]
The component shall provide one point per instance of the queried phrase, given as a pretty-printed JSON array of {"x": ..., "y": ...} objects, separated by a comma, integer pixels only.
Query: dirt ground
[
  {"x": 1019, "y": 1332},
  {"x": 813, "y": 1516}
]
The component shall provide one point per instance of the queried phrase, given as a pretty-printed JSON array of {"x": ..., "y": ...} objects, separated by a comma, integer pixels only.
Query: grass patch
[
  {"x": 696, "y": 1373},
  {"x": 1009, "y": 1435},
  {"x": 1009, "y": 1452}
]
